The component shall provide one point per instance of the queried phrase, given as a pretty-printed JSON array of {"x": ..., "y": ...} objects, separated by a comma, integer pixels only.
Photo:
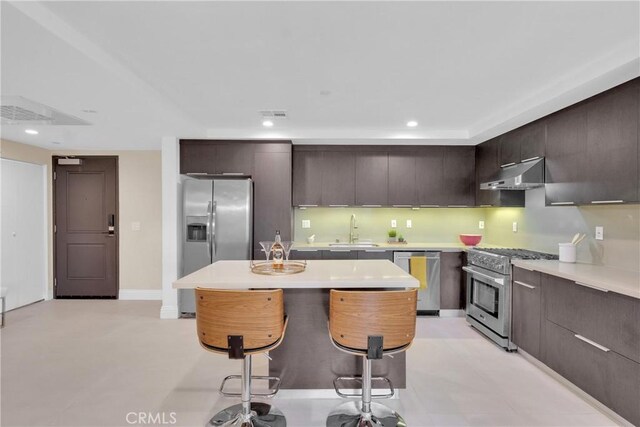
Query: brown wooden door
[{"x": 86, "y": 204}]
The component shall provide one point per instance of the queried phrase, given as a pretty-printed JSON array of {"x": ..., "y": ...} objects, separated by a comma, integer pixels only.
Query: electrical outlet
[
  {"x": 394, "y": 224},
  {"x": 481, "y": 225},
  {"x": 599, "y": 233},
  {"x": 409, "y": 224},
  {"x": 135, "y": 226},
  {"x": 514, "y": 227},
  {"x": 306, "y": 223}
]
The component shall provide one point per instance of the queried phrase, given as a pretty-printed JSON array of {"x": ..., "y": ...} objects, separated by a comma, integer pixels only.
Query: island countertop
[{"x": 318, "y": 274}]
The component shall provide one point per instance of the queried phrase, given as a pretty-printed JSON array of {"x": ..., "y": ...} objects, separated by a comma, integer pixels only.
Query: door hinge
[{"x": 55, "y": 175}]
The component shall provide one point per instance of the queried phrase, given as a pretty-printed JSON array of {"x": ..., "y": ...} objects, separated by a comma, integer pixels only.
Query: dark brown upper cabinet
[
  {"x": 272, "y": 196},
  {"x": 522, "y": 144},
  {"x": 198, "y": 157},
  {"x": 403, "y": 189},
  {"x": 488, "y": 165},
  {"x": 338, "y": 178},
  {"x": 459, "y": 175},
  {"x": 307, "y": 178},
  {"x": 430, "y": 177},
  {"x": 372, "y": 178},
  {"x": 235, "y": 158},
  {"x": 565, "y": 158},
  {"x": 612, "y": 146}
]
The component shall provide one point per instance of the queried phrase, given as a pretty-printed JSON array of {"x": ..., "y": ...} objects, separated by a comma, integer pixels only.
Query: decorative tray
[{"x": 288, "y": 267}]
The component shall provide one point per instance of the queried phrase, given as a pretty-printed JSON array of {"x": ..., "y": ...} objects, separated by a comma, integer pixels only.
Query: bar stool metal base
[
  {"x": 350, "y": 414},
  {"x": 262, "y": 415}
]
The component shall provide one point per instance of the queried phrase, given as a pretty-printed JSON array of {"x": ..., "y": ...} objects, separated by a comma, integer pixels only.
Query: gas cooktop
[{"x": 499, "y": 259}]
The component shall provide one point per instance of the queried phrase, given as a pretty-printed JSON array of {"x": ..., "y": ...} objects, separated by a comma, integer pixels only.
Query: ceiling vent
[
  {"x": 273, "y": 114},
  {"x": 16, "y": 110}
]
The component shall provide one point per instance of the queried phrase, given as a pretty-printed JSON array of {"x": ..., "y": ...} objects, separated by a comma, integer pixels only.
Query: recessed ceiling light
[
  {"x": 31, "y": 131},
  {"x": 412, "y": 123},
  {"x": 267, "y": 123}
]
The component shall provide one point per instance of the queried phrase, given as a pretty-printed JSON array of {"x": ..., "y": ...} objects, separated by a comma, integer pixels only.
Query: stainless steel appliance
[
  {"x": 518, "y": 176},
  {"x": 428, "y": 299},
  {"x": 218, "y": 225},
  {"x": 489, "y": 290}
]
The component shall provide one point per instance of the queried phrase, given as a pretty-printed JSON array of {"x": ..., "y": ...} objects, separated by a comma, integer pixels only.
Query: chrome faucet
[{"x": 353, "y": 237}]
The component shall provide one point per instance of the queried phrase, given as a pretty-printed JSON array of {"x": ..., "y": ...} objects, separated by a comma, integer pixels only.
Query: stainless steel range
[{"x": 489, "y": 290}]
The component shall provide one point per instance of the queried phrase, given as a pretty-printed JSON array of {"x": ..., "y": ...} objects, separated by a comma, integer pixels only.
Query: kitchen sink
[{"x": 353, "y": 245}]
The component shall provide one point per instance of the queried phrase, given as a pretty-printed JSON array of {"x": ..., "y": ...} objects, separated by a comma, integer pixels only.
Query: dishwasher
[{"x": 429, "y": 298}]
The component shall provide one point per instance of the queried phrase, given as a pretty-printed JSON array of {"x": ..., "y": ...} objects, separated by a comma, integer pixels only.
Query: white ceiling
[{"x": 466, "y": 71}]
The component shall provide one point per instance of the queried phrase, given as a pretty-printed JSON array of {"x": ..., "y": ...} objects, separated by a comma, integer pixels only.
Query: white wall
[{"x": 23, "y": 225}]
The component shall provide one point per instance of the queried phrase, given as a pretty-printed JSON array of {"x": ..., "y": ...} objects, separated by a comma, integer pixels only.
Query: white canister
[{"x": 567, "y": 252}]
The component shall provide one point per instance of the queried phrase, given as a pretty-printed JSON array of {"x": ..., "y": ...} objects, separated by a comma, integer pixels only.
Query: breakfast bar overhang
[{"x": 307, "y": 359}]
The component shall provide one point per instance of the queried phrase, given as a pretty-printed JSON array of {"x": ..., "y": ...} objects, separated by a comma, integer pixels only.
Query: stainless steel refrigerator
[{"x": 218, "y": 225}]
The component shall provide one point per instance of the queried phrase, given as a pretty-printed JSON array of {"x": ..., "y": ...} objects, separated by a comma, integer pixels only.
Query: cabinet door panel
[
  {"x": 612, "y": 146},
  {"x": 305, "y": 255},
  {"x": 307, "y": 178},
  {"x": 235, "y": 158},
  {"x": 606, "y": 317},
  {"x": 197, "y": 157},
  {"x": 459, "y": 176},
  {"x": 526, "y": 311},
  {"x": 532, "y": 138},
  {"x": 372, "y": 171},
  {"x": 338, "y": 178},
  {"x": 272, "y": 196},
  {"x": 451, "y": 281},
  {"x": 402, "y": 179},
  {"x": 430, "y": 176},
  {"x": 566, "y": 156},
  {"x": 339, "y": 254},
  {"x": 388, "y": 255},
  {"x": 509, "y": 149}
]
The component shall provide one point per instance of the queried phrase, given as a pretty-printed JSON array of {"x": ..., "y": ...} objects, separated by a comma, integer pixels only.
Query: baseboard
[
  {"x": 452, "y": 313},
  {"x": 169, "y": 312},
  {"x": 575, "y": 389},
  {"x": 140, "y": 294}
]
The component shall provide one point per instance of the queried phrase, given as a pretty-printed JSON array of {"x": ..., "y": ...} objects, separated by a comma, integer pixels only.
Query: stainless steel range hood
[{"x": 521, "y": 176}]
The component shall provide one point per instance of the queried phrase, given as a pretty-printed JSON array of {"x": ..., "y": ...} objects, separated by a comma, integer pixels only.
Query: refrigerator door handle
[
  {"x": 213, "y": 231},
  {"x": 208, "y": 231}
]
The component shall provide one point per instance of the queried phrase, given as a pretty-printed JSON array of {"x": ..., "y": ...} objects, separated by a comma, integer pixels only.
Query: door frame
[{"x": 54, "y": 169}]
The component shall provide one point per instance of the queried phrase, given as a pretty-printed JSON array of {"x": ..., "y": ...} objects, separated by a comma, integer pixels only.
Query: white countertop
[
  {"x": 413, "y": 246},
  {"x": 318, "y": 274},
  {"x": 625, "y": 282}
]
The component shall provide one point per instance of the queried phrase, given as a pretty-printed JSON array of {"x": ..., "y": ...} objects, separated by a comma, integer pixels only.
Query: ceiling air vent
[
  {"x": 16, "y": 110},
  {"x": 273, "y": 114}
]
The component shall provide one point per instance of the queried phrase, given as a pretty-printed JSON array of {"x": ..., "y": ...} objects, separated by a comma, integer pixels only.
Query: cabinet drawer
[
  {"x": 528, "y": 277},
  {"x": 304, "y": 255},
  {"x": 612, "y": 379},
  {"x": 525, "y": 316},
  {"x": 610, "y": 319},
  {"x": 388, "y": 255},
  {"x": 339, "y": 254}
]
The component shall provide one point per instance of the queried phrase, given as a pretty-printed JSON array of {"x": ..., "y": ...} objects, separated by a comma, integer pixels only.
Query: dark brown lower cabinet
[
  {"x": 305, "y": 254},
  {"x": 526, "y": 311},
  {"x": 339, "y": 254},
  {"x": 609, "y": 377},
  {"x": 451, "y": 281},
  {"x": 376, "y": 254}
]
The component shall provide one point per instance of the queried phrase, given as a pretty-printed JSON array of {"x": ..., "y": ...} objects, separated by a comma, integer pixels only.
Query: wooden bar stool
[
  {"x": 370, "y": 324},
  {"x": 241, "y": 324}
]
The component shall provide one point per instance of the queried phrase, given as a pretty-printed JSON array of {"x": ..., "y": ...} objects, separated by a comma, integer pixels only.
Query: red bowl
[{"x": 470, "y": 239}]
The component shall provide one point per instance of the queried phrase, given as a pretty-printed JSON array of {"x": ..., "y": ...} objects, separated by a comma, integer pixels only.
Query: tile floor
[{"x": 90, "y": 363}]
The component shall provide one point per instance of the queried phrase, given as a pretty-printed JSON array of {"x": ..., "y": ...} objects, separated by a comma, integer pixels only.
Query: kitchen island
[{"x": 307, "y": 359}]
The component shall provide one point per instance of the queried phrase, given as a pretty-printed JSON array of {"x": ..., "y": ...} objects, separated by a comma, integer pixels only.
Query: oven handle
[{"x": 486, "y": 276}]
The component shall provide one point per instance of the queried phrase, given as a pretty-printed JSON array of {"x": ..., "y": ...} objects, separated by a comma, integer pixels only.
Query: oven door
[{"x": 486, "y": 298}]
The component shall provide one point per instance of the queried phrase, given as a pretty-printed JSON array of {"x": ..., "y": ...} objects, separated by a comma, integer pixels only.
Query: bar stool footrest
[
  {"x": 270, "y": 393},
  {"x": 358, "y": 378}
]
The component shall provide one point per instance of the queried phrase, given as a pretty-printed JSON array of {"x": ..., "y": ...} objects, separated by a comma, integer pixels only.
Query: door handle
[
  {"x": 208, "y": 230},
  {"x": 214, "y": 220},
  {"x": 111, "y": 229},
  {"x": 486, "y": 276},
  {"x": 523, "y": 284}
]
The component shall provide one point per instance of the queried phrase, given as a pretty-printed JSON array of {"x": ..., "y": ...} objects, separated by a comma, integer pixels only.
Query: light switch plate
[
  {"x": 599, "y": 233},
  {"x": 481, "y": 225},
  {"x": 515, "y": 227},
  {"x": 394, "y": 223},
  {"x": 409, "y": 223},
  {"x": 306, "y": 223},
  {"x": 135, "y": 226}
]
